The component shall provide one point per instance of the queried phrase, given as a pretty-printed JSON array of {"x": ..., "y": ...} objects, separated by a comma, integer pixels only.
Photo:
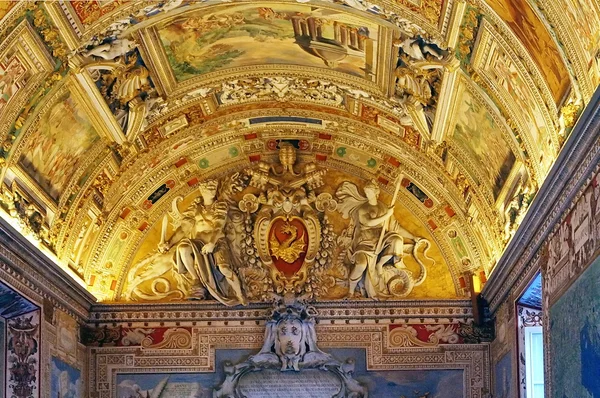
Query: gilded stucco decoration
[{"x": 233, "y": 150}]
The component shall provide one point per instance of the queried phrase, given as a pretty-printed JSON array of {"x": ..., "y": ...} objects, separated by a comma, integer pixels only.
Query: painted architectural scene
[
  {"x": 230, "y": 37},
  {"x": 505, "y": 74},
  {"x": 533, "y": 34}
]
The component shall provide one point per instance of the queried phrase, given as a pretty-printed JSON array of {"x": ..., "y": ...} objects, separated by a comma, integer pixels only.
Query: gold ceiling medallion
[{"x": 287, "y": 228}]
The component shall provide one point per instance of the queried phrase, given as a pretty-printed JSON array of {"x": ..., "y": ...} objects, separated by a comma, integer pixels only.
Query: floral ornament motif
[
  {"x": 467, "y": 35},
  {"x": 341, "y": 151},
  {"x": 203, "y": 163},
  {"x": 303, "y": 145},
  {"x": 22, "y": 349},
  {"x": 234, "y": 151}
]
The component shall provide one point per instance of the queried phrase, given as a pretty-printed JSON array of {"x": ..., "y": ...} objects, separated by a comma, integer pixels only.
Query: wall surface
[
  {"x": 575, "y": 338},
  {"x": 571, "y": 286},
  {"x": 2, "y": 353},
  {"x": 405, "y": 358},
  {"x": 503, "y": 353}
]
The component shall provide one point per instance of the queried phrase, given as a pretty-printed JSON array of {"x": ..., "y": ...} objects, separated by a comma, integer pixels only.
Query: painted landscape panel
[
  {"x": 477, "y": 134},
  {"x": 249, "y": 34},
  {"x": 575, "y": 338},
  {"x": 65, "y": 380},
  {"x": 57, "y": 147}
]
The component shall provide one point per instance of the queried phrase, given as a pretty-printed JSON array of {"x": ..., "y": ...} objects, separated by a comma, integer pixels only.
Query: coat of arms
[
  {"x": 288, "y": 243},
  {"x": 287, "y": 227}
]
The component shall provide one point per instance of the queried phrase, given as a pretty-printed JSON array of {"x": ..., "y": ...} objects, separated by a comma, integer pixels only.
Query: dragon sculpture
[{"x": 291, "y": 248}]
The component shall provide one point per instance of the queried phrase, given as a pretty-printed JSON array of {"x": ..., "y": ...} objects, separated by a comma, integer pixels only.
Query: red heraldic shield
[{"x": 288, "y": 241}]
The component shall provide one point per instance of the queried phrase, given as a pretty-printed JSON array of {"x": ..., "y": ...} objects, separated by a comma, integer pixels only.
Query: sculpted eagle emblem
[{"x": 291, "y": 248}]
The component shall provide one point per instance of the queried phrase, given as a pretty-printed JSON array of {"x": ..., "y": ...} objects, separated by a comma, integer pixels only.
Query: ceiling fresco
[{"x": 234, "y": 151}]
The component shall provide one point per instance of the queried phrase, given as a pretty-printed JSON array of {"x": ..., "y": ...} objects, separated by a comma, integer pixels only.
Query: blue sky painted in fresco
[
  {"x": 71, "y": 379},
  {"x": 13, "y": 304}
]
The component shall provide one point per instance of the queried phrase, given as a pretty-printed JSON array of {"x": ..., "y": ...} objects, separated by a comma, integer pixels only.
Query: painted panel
[
  {"x": 503, "y": 71},
  {"x": 11, "y": 75},
  {"x": 503, "y": 377},
  {"x": 23, "y": 356},
  {"x": 584, "y": 19},
  {"x": 244, "y": 35},
  {"x": 56, "y": 148},
  {"x": 479, "y": 136},
  {"x": 65, "y": 380},
  {"x": 407, "y": 383},
  {"x": 530, "y": 30},
  {"x": 67, "y": 330},
  {"x": 91, "y": 10},
  {"x": 575, "y": 338},
  {"x": 2, "y": 355},
  {"x": 573, "y": 245}
]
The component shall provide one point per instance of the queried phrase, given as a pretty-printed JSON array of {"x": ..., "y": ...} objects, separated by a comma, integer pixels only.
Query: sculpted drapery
[
  {"x": 201, "y": 253},
  {"x": 385, "y": 274}
]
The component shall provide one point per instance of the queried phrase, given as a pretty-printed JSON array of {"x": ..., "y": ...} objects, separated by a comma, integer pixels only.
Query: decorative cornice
[
  {"x": 41, "y": 274},
  {"x": 329, "y": 311},
  {"x": 576, "y": 163}
]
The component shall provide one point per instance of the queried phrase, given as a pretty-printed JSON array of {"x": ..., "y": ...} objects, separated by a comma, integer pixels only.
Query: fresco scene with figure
[
  {"x": 66, "y": 380},
  {"x": 508, "y": 77},
  {"x": 64, "y": 134},
  {"x": 530, "y": 29},
  {"x": 478, "y": 135},
  {"x": 9, "y": 77},
  {"x": 229, "y": 37}
]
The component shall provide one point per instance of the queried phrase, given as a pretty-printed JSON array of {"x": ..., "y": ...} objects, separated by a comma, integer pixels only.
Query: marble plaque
[{"x": 308, "y": 383}]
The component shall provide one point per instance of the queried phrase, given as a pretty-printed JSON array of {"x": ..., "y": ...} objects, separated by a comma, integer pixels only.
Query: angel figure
[
  {"x": 376, "y": 252},
  {"x": 111, "y": 50},
  {"x": 201, "y": 251}
]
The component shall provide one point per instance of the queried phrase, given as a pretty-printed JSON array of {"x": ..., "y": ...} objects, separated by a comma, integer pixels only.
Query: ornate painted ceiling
[{"x": 117, "y": 115}]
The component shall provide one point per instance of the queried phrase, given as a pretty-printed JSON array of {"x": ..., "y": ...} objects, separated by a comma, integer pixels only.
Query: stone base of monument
[{"x": 290, "y": 364}]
